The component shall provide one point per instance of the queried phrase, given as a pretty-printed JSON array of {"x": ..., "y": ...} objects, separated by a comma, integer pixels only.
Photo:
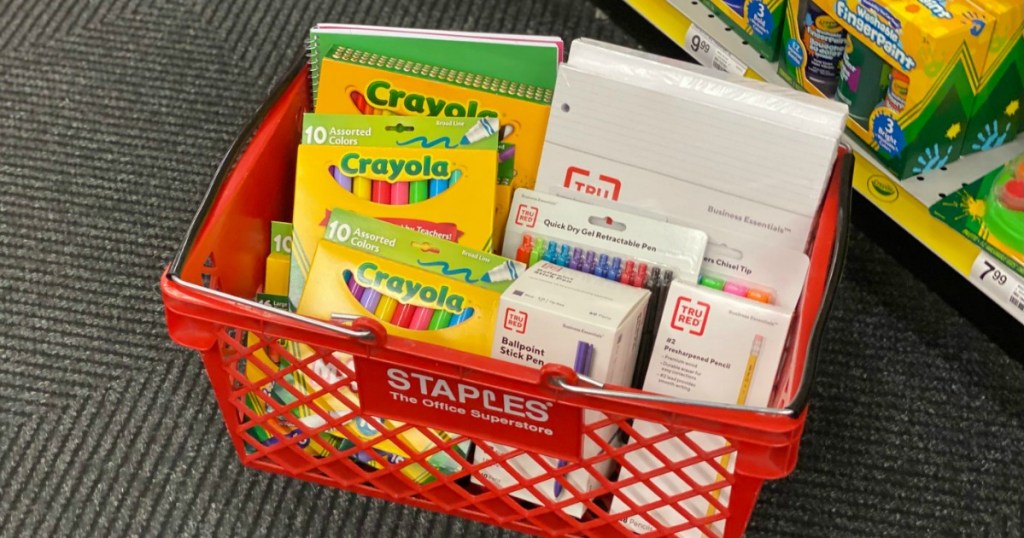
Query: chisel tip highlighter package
[{"x": 630, "y": 222}]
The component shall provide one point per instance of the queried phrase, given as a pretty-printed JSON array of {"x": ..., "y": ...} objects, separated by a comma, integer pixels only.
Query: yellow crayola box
[
  {"x": 419, "y": 172},
  {"x": 361, "y": 429},
  {"x": 909, "y": 73},
  {"x": 422, "y": 287},
  {"x": 997, "y": 115},
  {"x": 358, "y": 82}
]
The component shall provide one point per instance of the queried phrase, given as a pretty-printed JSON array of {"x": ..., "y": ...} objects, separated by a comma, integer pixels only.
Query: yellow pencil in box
[{"x": 359, "y": 82}]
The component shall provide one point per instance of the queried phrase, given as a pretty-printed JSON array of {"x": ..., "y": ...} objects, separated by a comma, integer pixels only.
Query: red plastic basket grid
[{"x": 221, "y": 263}]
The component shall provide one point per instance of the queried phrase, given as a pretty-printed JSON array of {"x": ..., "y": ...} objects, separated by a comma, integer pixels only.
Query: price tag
[
  {"x": 1000, "y": 284},
  {"x": 709, "y": 53}
]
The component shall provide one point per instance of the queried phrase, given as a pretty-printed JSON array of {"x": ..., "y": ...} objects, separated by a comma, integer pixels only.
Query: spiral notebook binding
[
  {"x": 441, "y": 74},
  {"x": 313, "y": 45}
]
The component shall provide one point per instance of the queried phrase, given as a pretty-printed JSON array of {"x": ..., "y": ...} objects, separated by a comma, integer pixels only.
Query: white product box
[
  {"x": 701, "y": 473},
  {"x": 553, "y": 314},
  {"x": 717, "y": 347}
]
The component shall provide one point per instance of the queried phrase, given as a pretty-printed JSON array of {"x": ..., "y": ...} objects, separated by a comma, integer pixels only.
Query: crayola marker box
[
  {"x": 556, "y": 315},
  {"x": 418, "y": 172},
  {"x": 421, "y": 287},
  {"x": 997, "y": 115},
  {"x": 758, "y": 21},
  {"x": 909, "y": 73},
  {"x": 275, "y": 280},
  {"x": 376, "y": 83}
]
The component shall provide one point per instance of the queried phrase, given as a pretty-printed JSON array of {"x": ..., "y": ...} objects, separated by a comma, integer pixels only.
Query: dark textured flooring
[{"x": 113, "y": 116}]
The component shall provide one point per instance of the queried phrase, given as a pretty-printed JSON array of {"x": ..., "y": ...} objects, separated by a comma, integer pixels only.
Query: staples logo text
[
  {"x": 580, "y": 180},
  {"x": 526, "y": 215},
  {"x": 515, "y": 320},
  {"x": 690, "y": 315}
]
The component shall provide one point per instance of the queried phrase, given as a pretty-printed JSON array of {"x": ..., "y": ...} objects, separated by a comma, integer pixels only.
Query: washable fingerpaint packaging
[
  {"x": 990, "y": 213},
  {"x": 412, "y": 269},
  {"x": 341, "y": 153},
  {"x": 758, "y": 21},
  {"x": 934, "y": 51},
  {"x": 997, "y": 115}
]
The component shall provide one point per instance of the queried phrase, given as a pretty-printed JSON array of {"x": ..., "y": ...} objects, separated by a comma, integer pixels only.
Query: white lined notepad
[{"x": 696, "y": 146}]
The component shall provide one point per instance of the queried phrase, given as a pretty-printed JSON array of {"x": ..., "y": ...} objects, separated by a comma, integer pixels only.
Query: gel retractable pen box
[{"x": 553, "y": 314}]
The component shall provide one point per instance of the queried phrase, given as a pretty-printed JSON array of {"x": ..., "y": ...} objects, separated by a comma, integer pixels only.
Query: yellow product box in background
[
  {"x": 997, "y": 116},
  {"x": 345, "y": 157},
  {"x": 910, "y": 73}
]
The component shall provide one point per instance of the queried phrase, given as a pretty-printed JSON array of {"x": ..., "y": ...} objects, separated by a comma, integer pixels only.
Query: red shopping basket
[{"x": 273, "y": 374}]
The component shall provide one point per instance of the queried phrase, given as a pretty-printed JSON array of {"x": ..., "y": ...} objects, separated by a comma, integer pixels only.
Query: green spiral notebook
[{"x": 531, "y": 60}]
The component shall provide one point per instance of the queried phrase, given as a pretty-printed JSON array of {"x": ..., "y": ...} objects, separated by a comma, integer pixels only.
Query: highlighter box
[
  {"x": 343, "y": 160},
  {"x": 910, "y": 73},
  {"x": 369, "y": 267},
  {"x": 553, "y": 314},
  {"x": 758, "y": 21},
  {"x": 997, "y": 115},
  {"x": 275, "y": 281}
]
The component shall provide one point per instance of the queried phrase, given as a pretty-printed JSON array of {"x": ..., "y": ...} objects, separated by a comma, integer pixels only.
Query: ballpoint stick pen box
[{"x": 554, "y": 314}]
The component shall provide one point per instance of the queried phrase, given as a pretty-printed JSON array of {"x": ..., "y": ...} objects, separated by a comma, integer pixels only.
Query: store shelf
[{"x": 705, "y": 37}]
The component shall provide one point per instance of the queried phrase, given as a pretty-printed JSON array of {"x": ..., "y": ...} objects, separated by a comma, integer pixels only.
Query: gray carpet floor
[{"x": 113, "y": 116}]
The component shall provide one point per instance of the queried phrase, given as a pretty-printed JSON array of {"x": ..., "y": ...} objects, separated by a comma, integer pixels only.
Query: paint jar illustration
[
  {"x": 862, "y": 80},
  {"x": 736, "y": 5},
  {"x": 825, "y": 41},
  {"x": 899, "y": 87}
]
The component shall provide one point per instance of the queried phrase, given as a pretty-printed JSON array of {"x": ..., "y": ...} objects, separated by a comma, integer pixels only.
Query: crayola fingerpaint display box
[
  {"x": 759, "y": 21},
  {"x": 997, "y": 115},
  {"x": 435, "y": 175},
  {"x": 990, "y": 213},
  {"x": 358, "y": 82},
  {"x": 812, "y": 47},
  {"x": 421, "y": 287},
  {"x": 909, "y": 73}
]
